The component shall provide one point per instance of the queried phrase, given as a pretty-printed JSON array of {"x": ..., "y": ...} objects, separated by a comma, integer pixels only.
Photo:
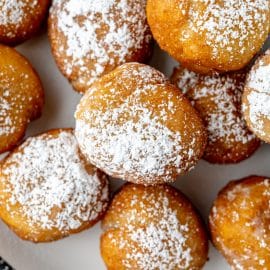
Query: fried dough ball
[
  {"x": 48, "y": 191},
  {"x": 210, "y": 35},
  {"x": 256, "y": 98},
  {"x": 149, "y": 228},
  {"x": 90, "y": 38},
  {"x": 218, "y": 100},
  {"x": 21, "y": 19},
  {"x": 240, "y": 223},
  {"x": 133, "y": 124},
  {"x": 21, "y": 97}
]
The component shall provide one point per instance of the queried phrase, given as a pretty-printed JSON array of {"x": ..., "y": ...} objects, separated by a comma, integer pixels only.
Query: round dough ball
[
  {"x": 210, "y": 35},
  {"x": 240, "y": 223},
  {"x": 256, "y": 98},
  {"x": 217, "y": 98},
  {"x": 134, "y": 125},
  {"x": 21, "y": 19},
  {"x": 48, "y": 191},
  {"x": 90, "y": 38},
  {"x": 21, "y": 97},
  {"x": 149, "y": 228}
]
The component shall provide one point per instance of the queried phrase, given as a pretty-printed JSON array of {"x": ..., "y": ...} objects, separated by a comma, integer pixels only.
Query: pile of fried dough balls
[{"x": 135, "y": 124}]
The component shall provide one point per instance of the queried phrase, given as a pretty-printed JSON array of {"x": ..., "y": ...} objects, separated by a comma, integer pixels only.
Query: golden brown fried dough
[
  {"x": 91, "y": 38},
  {"x": 48, "y": 191},
  {"x": 217, "y": 98},
  {"x": 210, "y": 35},
  {"x": 21, "y": 19},
  {"x": 21, "y": 97},
  {"x": 133, "y": 124},
  {"x": 240, "y": 223},
  {"x": 150, "y": 228},
  {"x": 256, "y": 98}
]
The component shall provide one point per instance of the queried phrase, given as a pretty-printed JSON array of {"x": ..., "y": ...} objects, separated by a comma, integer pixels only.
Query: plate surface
[{"x": 81, "y": 251}]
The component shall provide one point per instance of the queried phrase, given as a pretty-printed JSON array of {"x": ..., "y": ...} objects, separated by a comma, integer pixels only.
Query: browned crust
[
  {"x": 28, "y": 100},
  {"x": 46, "y": 235},
  {"x": 219, "y": 151},
  {"x": 29, "y": 27},
  {"x": 120, "y": 210},
  {"x": 238, "y": 203}
]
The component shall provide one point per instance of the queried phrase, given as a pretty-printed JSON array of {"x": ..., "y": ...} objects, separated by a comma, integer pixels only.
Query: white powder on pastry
[{"x": 50, "y": 186}]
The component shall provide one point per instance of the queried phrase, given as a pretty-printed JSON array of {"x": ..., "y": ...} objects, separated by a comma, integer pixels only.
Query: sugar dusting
[
  {"x": 247, "y": 205},
  {"x": 160, "y": 242},
  {"x": 6, "y": 123},
  {"x": 224, "y": 120},
  {"x": 229, "y": 24},
  {"x": 47, "y": 176},
  {"x": 132, "y": 139},
  {"x": 14, "y": 101},
  {"x": 13, "y": 12},
  {"x": 102, "y": 33},
  {"x": 258, "y": 95}
]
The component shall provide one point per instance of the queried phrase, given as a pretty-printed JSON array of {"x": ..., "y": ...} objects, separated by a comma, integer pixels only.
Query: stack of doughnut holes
[{"x": 134, "y": 123}]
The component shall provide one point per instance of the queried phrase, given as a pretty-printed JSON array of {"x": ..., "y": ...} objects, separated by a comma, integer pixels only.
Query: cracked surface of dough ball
[
  {"x": 48, "y": 190},
  {"x": 134, "y": 125},
  {"x": 21, "y": 97},
  {"x": 90, "y": 38},
  {"x": 218, "y": 98},
  {"x": 149, "y": 228},
  {"x": 210, "y": 35},
  {"x": 240, "y": 223}
]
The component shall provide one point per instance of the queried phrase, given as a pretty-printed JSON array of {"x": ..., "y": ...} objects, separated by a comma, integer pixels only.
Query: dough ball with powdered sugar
[
  {"x": 133, "y": 124},
  {"x": 217, "y": 98},
  {"x": 240, "y": 223},
  {"x": 21, "y": 97},
  {"x": 210, "y": 35},
  {"x": 148, "y": 228},
  {"x": 90, "y": 38},
  {"x": 256, "y": 98},
  {"x": 48, "y": 190},
  {"x": 21, "y": 19}
]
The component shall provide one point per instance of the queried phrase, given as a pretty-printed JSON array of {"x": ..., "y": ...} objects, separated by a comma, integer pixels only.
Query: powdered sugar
[
  {"x": 259, "y": 79},
  {"x": 259, "y": 108},
  {"x": 21, "y": 100},
  {"x": 6, "y": 123},
  {"x": 188, "y": 80},
  {"x": 161, "y": 245},
  {"x": 245, "y": 206},
  {"x": 224, "y": 120},
  {"x": 258, "y": 95},
  {"x": 152, "y": 236},
  {"x": 144, "y": 147},
  {"x": 13, "y": 12},
  {"x": 230, "y": 25},
  {"x": 45, "y": 175},
  {"x": 132, "y": 138},
  {"x": 99, "y": 33}
]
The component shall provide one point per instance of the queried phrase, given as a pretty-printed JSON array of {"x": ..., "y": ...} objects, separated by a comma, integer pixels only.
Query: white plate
[{"x": 81, "y": 251}]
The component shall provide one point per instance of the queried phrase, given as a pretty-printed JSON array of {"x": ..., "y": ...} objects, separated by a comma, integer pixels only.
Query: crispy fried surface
[
  {"x": 133, "y": 124},
  {"x": 239, "y": 223},
  {"x": 207, "y": 36},
  {"x": 21, "y": 19},
  {"x": 47, "y": 189},
  {"x": 152, "y": 228},
  {"x": 218, "y": 99},
  {"x": 256, "y": 96},
  {"x": 91, "y": 40},
  {"x": 21, "y": 97}
]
